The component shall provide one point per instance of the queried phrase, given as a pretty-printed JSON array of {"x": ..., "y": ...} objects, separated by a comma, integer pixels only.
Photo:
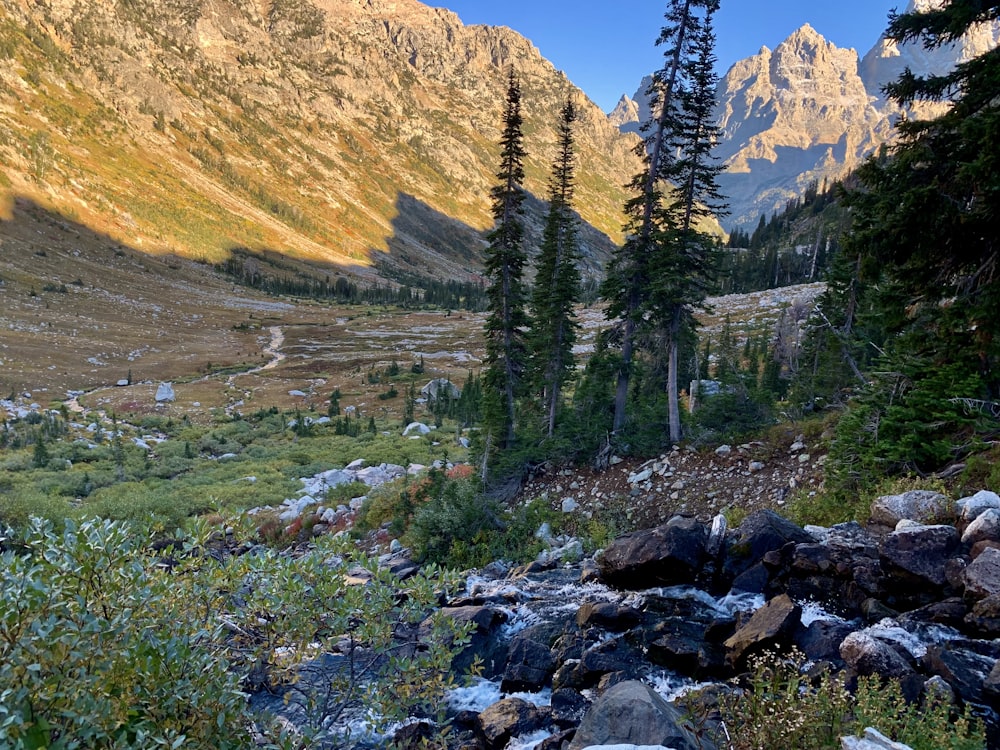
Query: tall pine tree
[
  {"x": 506, "y": 321},
  {"x": 658, "y": 272},
  {"x": 684, "y": 261},
  {"x": 557, "y": 282}
]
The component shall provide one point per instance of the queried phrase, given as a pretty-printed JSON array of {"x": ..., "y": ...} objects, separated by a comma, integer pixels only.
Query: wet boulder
[
  {"x": 632, "y": 713},
  {"x": 529, "y": 666},
  {"x": 965, "y": 671},
  {"x": 485, "y": 644},
  {"x": 760, "y": 533},
  {"x": 774, "y": 624},
  {"x": 668, "y": 554},
  {"x": 597, "y": 662},
  {"x": 608, "y": 615},
  {"x": 922, "y": 506},
  {"x": 509, "y": 718}
]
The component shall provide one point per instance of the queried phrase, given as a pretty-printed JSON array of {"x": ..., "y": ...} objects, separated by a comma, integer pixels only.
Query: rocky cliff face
[
  {"x": 887, "y": 60},
  {"x": 358, "y": 133},
  {"x": 810, "y": 111},
  {"x": 792, "y": 116}
]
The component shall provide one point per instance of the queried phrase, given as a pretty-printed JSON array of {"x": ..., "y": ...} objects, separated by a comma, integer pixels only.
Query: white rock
[
  {"x": 873, "y": 740},
  {"x": 723, "y": 450},
  {"x": 164, "y": 393},
  {"x": 122, "y": 382},
  {"x": 358, "y": 463},
  {"x": 986, "y": 526},
  {"x": 297, "y": 393},
  {"x": 416, "y": 427},
  {"x": 756, "y": 466},
  {"x": 569, "y": 504},
  {"x": 971, "y": 507},
  {"x": 796, "y": 447},
  {"x": 642, "y": 476}
]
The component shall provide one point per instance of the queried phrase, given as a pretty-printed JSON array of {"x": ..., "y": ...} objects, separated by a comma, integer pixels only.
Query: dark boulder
[
  {"x": 529, "y": 666},
  {"x": 916, "y": 557},
  {"x": 608, "y": 615},
  {"x": 761, "y": 532},
  {"x": 632, "y": 713},
  {"x": 484, "y": 644},
  {"x": 965, "y": 671},
  {"x": 982, "y": 576},
  {"x": 666, "y": 555}
]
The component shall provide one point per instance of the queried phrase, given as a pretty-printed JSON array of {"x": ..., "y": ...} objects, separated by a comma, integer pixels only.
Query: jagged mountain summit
[
  {"x": 809, "y": 111},
  {"x": 797, "y": 115},
  {"x": 886, "y": 61},
  {"x": 360, "y": 136}
]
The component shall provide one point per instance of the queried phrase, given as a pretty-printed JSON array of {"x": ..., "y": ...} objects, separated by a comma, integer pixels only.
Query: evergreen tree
[
  {"x": 660, "y": 270},
  {"x": 684, "y": 261},
  {"x": 919, "y": 322},
  {"x": 557, "y": 281},
  {"x": 506, "y": 352},
  {"x": 626, "y": 286}
]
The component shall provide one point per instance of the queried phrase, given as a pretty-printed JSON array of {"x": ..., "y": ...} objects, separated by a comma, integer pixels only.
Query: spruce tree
[
  {"x": 684, "y": 259},
  {"x": 648, "y": 277},
  {"x": 557, "y": 282},
  {"x": 506, "y": 351}
]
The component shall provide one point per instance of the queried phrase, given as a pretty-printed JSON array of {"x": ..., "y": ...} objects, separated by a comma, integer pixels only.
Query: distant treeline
[
  {"x": 265, "y": 274},
  {"x": 794, "y": 246}
]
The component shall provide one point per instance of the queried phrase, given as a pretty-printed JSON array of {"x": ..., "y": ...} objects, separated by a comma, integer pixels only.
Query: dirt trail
[{"x": 272, "y": 350}]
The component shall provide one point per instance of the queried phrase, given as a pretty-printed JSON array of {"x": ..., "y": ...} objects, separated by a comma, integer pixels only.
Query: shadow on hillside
[{"x": 424, "y": 244}]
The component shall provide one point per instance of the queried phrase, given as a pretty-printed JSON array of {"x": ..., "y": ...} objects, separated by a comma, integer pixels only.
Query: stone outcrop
[
  {"x": 404, "y": 89},
  {"x": 632, "y": 713}
]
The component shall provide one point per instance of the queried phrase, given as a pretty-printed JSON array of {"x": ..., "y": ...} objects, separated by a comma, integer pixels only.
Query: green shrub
[
  {"x": 781, "y": 706},
  {"x": 102, "y": 646},
  {"x": 99, "y": 650}
]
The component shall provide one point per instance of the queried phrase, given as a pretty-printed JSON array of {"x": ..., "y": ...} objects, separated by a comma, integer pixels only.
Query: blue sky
[{"x": 606, "y": 46}]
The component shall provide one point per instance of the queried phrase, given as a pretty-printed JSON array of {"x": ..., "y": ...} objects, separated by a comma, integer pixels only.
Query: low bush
[
  {"x": 782, "y": 706},
  {"x": 105, "y": 645}
]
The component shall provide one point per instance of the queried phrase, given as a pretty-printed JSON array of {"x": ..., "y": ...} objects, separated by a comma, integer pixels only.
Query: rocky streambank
[{"x": 597, "y": 652}]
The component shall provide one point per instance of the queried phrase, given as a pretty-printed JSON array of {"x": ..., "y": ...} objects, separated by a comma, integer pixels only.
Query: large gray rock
[
  {"x": 970, "y": 508},
  {"x": 440, "y": 388},
  {"x": 923, "y": 506},
  {"x": 164, "y": 393},
  {"x": 669, "y": 554},
  {"x": 632, "y": 713},
  {"x": 982, "y": 576},
  {"x": 917, "y": 556}
]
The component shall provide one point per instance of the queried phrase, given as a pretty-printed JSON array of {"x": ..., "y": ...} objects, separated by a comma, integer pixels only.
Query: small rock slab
[
  {"x": 774, "y": 622},
  {"x": 633, "y": 713},
  {"x": 923, "y": 506}
]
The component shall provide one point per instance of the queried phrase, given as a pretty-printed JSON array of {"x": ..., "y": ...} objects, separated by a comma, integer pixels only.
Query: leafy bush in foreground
[
  {"x": 103, "y": 645},
  {"x": 783, "y": 707}
]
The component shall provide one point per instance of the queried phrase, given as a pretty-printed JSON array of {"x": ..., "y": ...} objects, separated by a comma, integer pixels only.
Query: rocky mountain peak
[
  {"x": 791, "y": 116},
  {"x": 887, "y": 60}
]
